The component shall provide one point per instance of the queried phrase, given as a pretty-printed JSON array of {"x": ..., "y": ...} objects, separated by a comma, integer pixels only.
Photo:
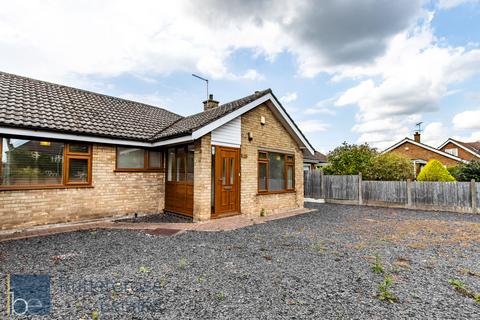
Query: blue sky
[{"x": 355, "y": 71}]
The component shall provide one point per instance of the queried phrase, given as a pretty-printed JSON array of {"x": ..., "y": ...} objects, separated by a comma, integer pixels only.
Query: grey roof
[
  {"x": 198, "y": 120},
  {"x": 318, "y": 157},
  {"x": 33, "y": 104},
  {"x": 472, "y": 146}
]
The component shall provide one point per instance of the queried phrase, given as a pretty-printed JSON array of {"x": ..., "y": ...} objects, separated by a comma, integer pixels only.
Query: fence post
[
  {"x": 473, "y": 191},
  {"x": 322, "y": 192},
  {"x": 409, "y": 193},
  {"x": 360, "y": 194}
]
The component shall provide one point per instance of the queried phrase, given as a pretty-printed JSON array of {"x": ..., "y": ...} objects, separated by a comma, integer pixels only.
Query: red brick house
[
  {"x": 68, "y": 154},
  {"x": 420, "y": 153},
  {"x": 313, "y": 161},
  {"x": 466, "y": 150}
]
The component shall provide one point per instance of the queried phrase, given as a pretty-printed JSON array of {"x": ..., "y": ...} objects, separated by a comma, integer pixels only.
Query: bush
[
  {"x": 350, "y": 159},
  {"x": 454, "y": 171},
  {"x": 390, "y": 167},
  {"x": 435, "y": 171},
  {"x": 467, "y": 172}
]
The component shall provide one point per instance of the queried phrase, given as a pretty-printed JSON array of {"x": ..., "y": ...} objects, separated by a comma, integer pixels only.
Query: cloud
[
  {"x": 408, "y": 81},
  {"x": 289, "y": 97},
  {"x": 469, "y": 119},
  {"x": 434, "y": 134},
  {"x": 322, "y": 107},
  {"x": 310, "y": 126},
  {"x": 153, "y": 99},
  {"x": 252, "y": 74},
  {"x": 449, "y": 4}
]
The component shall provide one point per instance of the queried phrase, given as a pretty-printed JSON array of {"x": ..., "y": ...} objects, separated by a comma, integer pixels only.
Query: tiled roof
[
  {"x": 198, "y": 120},
  {"x": 33, "y": 104},
  {"x": 472, "y": 146},
  {"x": 317, "y": 157}
]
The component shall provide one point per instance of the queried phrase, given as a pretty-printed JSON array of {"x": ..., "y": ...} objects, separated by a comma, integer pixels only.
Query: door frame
[{"x": 217, "y": 170}]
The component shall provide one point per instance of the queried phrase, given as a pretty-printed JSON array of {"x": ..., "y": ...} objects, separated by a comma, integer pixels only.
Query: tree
[
  {"x": 468, "y": 171},
  {"x": 349, "y": 159},
  {"x": 435, "y": 171},
  {"x": 390, "y": 166}
]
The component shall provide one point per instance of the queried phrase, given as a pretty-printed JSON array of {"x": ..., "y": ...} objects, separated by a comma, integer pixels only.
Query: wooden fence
[{"x": 448, "y": 196}]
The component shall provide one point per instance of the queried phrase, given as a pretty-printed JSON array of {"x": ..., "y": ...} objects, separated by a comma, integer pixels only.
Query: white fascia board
[
  {"x": 82, "y": 138},
  {"x": 425, "y": 147},
  {"x": 458, "y": 145},
  {"x": 215, "y": 124}
]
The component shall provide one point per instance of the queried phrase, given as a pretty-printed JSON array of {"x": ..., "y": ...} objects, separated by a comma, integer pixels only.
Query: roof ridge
[{"x": 85, "y": 91}]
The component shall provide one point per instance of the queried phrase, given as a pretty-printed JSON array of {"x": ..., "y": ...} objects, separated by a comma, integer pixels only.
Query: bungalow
[
  {"x": 466, "y": 150},
  {"x": 68, "y": 154},
  {"x": 420, "y": 153}
]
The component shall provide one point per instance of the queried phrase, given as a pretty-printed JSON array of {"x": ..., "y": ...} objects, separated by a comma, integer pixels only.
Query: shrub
[
  {"x": 390, "y": 167},
  {"x": 454, "y": 171},
  {"x": 435, "y": 171},
  {"x": 349, "y": 159},
  {"x": 467, "y": 172}
]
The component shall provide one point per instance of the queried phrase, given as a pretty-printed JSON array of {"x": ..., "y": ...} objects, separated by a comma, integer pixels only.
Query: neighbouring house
[
  {"x": 69, "y": 154},
  {"x": 313, "y": 161},
  {"x": 466, "y": 150},
  {"x": 420, "y": 153}
]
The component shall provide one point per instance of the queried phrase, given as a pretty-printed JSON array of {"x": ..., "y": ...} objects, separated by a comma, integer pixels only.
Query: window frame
[
  {"x": 287, "y": 163},
  {"x": 66, "y": 155},
  {"x": 146, "y": 161}
]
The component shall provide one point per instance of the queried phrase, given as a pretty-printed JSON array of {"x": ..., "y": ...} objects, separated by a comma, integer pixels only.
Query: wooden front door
[
  {"x": 227, "y": 180},
  {"x": 179, "y": 180}
]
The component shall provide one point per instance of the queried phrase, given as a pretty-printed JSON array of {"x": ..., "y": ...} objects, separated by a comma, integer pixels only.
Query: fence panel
[
  {"x": 385, "y": 191},
  {"x": 442, "y": 194},
  {"x": 312, "y": 184},
  {"x": 478, "y": 194},
  {"x": 341, "y": 187}
]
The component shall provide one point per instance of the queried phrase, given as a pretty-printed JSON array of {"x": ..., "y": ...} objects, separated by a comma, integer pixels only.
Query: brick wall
[
  {"x": 272, "y": 135},
  {"x": 415, "y": 152},
  {"x": 202, "y": 183},
  {"x": 113, "y": 193},
  {"x": 461, "y": 152}
]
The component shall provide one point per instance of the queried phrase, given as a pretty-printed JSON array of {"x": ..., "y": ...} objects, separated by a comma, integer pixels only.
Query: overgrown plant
[
  {"x": 459, "y": 286},
  {"x": 263, "y": 213},
  {"x": 377, "y": 266}
]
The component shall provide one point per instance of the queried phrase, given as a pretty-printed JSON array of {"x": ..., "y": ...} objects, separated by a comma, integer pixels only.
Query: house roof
[
  {"x": 316, "y": 157},
  {"x": 422, "y": 145},
  {"x": 39, "y": 105},
  {"x": 38, "y": 108},
  {"x": 472, "y": 147}
]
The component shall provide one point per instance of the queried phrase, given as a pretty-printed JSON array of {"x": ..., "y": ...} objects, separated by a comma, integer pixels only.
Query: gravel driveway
[{"x": 327, "y": 264}]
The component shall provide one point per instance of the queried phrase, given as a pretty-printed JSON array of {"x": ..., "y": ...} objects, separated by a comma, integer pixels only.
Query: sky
[{"x": 345, "y": 70}]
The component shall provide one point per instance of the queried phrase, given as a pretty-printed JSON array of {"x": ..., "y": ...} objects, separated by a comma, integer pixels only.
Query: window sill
[
  {"x": 138, "y": 170},
  {"x": 18, "y": 188},
  {"x": 260, "y": 193}
]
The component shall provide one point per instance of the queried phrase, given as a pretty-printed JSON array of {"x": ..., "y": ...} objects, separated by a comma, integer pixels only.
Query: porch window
[
  {"x": 32, "y": 164},
  {"x": 276, "y": 172},
  {"x": 137, "y": 159},
  {"x": 180, "y": 163}
]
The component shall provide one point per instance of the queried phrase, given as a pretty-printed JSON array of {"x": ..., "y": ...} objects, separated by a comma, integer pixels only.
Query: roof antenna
[
  {"x": 419, "y": 127},
  {"x": 206, "y": 80}
]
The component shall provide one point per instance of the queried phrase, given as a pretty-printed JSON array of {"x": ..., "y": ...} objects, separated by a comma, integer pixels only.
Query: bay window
[{"x": 276, "y": 172}]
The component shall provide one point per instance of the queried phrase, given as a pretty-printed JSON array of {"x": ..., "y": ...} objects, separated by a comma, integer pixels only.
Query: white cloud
[
  {"x": 252, "y": 74},
  {"x": 154, "y": 99},
  {"x": 324, "y": 106},
  {"x": 289, "y": 97},
  {"x": 408, "y": 81},
  {"x": 449, "y": 4},
  {"x": 434, "y": 134},
  {"x": 469, "y": 119},
  {"x": 310, "y": 126}
]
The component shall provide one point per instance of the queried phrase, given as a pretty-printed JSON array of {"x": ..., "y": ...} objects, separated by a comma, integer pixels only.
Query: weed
[
  {"x": 182, "y": 263},
  {"x": 384, "y": 290},
  {"x": 144, "y": 269},
  {"x": 201, "y": 279},
  {"x": 460, "y": 288},
  {"x": 95, "y": 315},
  {"x": 377, "y": 266},
  {"x": 320, "y": 246},
  {"x": 163, "y": 282},
  {"x": 263, "y": 213},
  {"x": 220, "y": 296},
  {"x": 457, "y": 284}
]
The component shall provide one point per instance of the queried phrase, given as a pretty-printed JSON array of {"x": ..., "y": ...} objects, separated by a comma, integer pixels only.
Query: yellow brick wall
[
  {"x": 272, "y": 135},
  {"x": 113, "y": 193},
  {"x": 202, "y": 183}
]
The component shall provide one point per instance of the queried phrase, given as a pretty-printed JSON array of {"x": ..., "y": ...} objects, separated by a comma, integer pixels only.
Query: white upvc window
[{"x": 452, "y": 151}]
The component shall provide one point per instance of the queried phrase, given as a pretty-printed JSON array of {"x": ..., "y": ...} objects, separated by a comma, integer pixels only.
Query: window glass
[
  {"x": 190, "y": 162},
  {"x": 155, "y": 159},
  {"x": 290, "y": 177},
  {"x": 276, "y": 171},
  {"x": 78, "y": 148},
  {"x": 31, "y": 162},
  {"x": 77, "y": 170},
  {"x": 262, "y": 176},
  {"x": 170, "y": 162},
  {"x": 224, "y": 172},
  {"x": 180, "y": 164},
  {"x": 130, "y": 158},
  {"x": 231, "y": 171}
]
